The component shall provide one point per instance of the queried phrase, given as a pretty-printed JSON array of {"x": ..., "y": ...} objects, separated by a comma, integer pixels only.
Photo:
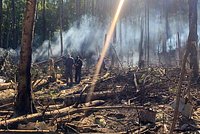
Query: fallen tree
[
  {"x": 64, "y": 111},
  {"x": 81, "y": 98},
  {"x": 4, "y": 86}
]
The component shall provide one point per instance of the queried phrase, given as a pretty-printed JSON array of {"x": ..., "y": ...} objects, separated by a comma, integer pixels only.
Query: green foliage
[
  {"x": 7, "y": 22},
  {"x": 102, "y": 9}
]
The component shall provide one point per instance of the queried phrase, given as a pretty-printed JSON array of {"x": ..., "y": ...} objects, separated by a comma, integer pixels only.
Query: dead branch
[
  {"x": 61, "y": 112},
  {"x": 25, "y": 131},
  {"x": 72, "y": 99},
  {"x": 6, "y": 112},
  {"x": 4, "y": 86},
  {"x": 178, "y": 92},
  {"x": 6, "y": 105}
]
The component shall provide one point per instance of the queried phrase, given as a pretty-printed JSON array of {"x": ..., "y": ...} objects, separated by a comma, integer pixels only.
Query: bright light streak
[{"x": 105, "y": 48}]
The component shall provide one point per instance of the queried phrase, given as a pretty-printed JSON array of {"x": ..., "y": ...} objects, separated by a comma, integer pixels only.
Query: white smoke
[
  {"x": 90, "y": 35},
  {"x": 87, "y": 36}
]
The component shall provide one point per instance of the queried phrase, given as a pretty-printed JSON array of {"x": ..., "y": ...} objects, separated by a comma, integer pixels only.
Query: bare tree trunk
[
  {"x": 14, "y": 42},
  {"x": 92, "y": 7},
  {"x": 6, "y": 34},
  {"x": 0, "y": 23},
  {"x": 167, "y": 28},
  {"x": 178, "y": 92},
  {"x": 61, "y": 26},
  {"x": 44, "y": 19},
  {"x": 24, "y": 104},
  {"x": 193, "y": 37},
  {"x": 148, "y": 47},
  {"x": 78, "y": 12},
  {"x": 121, "y": 54},
  {"x": 141, "y": 47},
  {"x": 145, "y": 23},
  {"x": 166, "y": 35},
  {"x": 84, "y": 7},
  {"x": 87, "y": 6},
  {"x": 190, "y": 50},
  {"x": 179, "y": 49}
]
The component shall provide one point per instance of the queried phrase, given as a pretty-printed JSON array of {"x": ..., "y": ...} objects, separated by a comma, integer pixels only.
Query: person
[
  {"x": 69, "y": 62},
  {"x": 78, "y": 66},
  {"x": 103, "y": 66},
  {"x": 141, "y": 64},
  {"x": 51, "y": 70}
]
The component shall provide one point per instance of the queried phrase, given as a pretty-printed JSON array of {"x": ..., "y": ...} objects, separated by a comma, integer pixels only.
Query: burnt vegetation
[{"x": 146, "y": 82}]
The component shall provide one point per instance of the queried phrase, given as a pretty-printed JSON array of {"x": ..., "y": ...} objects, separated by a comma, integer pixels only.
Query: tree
[
  {"x": 140, "y": 48},
  {"x": 14, "y": 42},
  {"x": 193, "y": 37},
  {"x": 44, "y": 19},
  {"x": 78, "y": 4},
  {"x": 61, "y": 26},
  {"x": 1, "y": 23},
  {"x": 93, "y": 8},
  {"x": 23, "y": 103},
  {"x": 190, "y": 50}
]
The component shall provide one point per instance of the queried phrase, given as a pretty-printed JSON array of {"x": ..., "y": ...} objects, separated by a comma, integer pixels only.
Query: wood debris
[{"x": 120, "y": 104}]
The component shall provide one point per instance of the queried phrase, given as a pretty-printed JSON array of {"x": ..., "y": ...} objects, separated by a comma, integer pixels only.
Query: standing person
[
  {"x": 78, "y": 66},
  {"x": 51, "y": 70},
  {"x": 69, "y": 62},
  {"x": 103, "y": 66}
]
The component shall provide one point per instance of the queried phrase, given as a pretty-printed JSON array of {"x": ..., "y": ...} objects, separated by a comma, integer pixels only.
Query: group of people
[{"x": 69, "y": 64}]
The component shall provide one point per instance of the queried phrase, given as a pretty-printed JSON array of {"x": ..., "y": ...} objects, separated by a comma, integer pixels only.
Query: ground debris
[{"x": 119, "y": 103}]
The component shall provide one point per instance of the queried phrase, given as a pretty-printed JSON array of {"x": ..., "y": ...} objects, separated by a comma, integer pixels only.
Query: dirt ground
[{"x": 130, "y": 101}]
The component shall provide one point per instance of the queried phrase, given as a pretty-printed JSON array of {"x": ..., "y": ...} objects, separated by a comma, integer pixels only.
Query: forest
[{"x": 99, "y": 66}]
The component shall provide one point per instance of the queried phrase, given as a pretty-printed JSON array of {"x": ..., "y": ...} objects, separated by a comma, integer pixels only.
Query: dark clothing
[
  {"x": 78, "y": 66},
  {"x": 69, "y": 62},
  {"x": 103, "y": 66},
  {"x": 141, "y": 64}
]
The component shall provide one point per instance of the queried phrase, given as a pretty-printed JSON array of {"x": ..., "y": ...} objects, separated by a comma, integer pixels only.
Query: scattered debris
[{"x": 132, "y": 101}]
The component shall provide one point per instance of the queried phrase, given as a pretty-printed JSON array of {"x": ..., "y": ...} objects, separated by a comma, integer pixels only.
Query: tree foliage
[{"x": 98, "y": 8}]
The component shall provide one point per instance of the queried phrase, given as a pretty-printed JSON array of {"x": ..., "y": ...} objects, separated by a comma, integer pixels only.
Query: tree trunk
[
  {"x": 24, "y": 104},
  {"x": 84, "y": 7},
  {"x": 193, "y": 37},
  {"x": 92, "y": 7},
  {"x": 145, "y": 27},
  {"x": 190, "y": 50},
  {"x": 148, "y": 47},
  {"x": 44, "y": 20},
  {"x": 14, "y": 42},
  {"x": 121, "y": 54},
  {"x": 78, "y": 12},
  {"x": 61, "y": 26},
  {"x": 141, "y": 47},
  {"x": 179, "y": 49},
  {"x": 0, "y": 23},
  {"x": 166, "y": 35}
]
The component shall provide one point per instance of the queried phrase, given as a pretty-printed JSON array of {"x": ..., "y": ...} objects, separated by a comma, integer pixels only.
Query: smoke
[
  {"x": 84, "y": 38},
  {"x": 11, "y": 54},
  {"x": 87, "y": 39}
]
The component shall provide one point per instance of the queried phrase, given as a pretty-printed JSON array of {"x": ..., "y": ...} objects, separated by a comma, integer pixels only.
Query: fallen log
[
  {"x": 89, "y": 104},
  {"x": 39, "y": 84},
  {"x": 25, "y": 131},
  {"x": 4, "y": 86},
  {"x": 6, "y": 105},
  {"x": 52, "y": 107},
  {"x": 81, "y": 98},
  {"x": 7, "y": 100},
  {"x": 83, "y": 90},
  {"x": 68, "y": 110},
  {"x": 6, "y": 112}
]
